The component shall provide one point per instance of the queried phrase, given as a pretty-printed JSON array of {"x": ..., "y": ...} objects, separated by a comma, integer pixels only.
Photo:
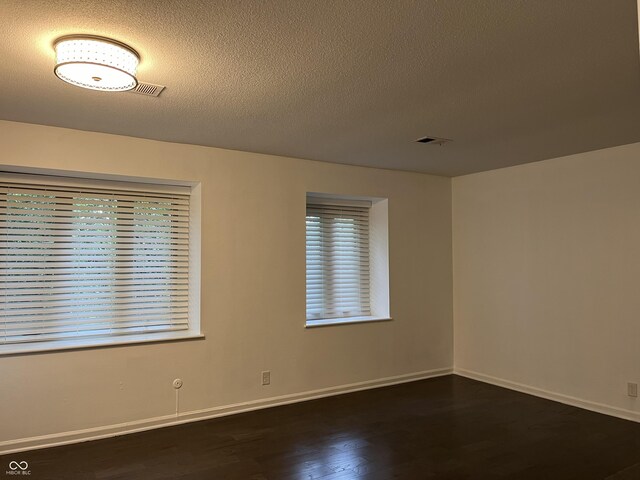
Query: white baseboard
[
  {"x": 557, "y": 397},
  {"x": 96, "y": 433}
]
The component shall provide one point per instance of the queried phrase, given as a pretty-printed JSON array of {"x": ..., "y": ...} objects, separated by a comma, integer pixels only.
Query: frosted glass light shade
[{"x": 96, "y": 63}]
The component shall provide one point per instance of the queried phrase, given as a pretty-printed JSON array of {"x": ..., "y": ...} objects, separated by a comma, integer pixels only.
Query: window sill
[
  {"x": 344, "y": 321},
  {"x": 46, "y": 347}
]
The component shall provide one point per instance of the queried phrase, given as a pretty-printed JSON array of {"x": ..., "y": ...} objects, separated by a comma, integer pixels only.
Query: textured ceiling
[{"x": 352, "y": 81}]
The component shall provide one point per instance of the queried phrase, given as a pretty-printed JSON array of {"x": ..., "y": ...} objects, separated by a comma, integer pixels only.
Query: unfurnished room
[{"x": 335, "y": 240}]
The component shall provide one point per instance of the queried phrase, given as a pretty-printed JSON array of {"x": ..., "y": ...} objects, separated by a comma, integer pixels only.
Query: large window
[{"x": 92, "y": 262}]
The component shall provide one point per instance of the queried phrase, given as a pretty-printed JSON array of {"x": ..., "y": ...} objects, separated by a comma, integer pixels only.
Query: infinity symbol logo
[{"x": 13, "y": 465}]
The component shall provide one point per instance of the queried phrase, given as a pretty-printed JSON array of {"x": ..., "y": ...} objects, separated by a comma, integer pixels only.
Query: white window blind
[
  {"x": 91, "y": 259},
  {"x": 337, "y": 261}
]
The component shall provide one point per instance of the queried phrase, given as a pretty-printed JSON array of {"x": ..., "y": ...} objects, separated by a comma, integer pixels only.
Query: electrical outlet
[
  {"x": 632, "y": 389},
  {"x": 266, "y": 377}
]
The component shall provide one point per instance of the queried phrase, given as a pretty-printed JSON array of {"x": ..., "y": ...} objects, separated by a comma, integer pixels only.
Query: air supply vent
[
  {"x": 148, "y": 89},
  {"x": 433, "y": 140}
]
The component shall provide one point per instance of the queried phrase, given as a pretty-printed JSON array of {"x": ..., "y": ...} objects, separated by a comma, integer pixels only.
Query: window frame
[
  {"x": 378, "y": 257},
  {"x": 193, "y": 189}
]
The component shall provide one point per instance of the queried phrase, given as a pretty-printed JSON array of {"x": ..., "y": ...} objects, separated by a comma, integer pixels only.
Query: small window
[
  {"x": 338, "y": 255},
  {"x": 93, "y": 262}
]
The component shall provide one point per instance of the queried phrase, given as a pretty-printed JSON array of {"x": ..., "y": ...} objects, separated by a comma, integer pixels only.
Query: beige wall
[
  {"x": 547, "y": 276},
  {"x": 253, "y": 302}
]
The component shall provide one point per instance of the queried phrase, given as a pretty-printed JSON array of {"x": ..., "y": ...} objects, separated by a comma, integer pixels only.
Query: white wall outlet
[
  {"x": 177, "y": 383},
  {"x": 632, "y": 389},
  {"x": 266, "y": 377}
]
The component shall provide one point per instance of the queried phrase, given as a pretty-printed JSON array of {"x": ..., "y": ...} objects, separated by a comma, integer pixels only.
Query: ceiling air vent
[
  {"x": 433, "y": 140},
  {"x": 148, "y": 89}
]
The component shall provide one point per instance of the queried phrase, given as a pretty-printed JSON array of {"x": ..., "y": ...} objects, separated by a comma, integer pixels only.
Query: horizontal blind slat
[
  {"x": 113, "y": 207},
  {"x": 106, "y": 333},
  {"x": 74, "y": 284},
  {"x": 106, "y": 297},
  {"x": 78, "y": 194},
  {"x": 26, "y": 327},
  {"x": 11, "y": 262},
  {"x": 89, "y": 271},
  {"x": 86, "y": 222},
  {"x": 113, "y": 307},
  {"x": 80, "y": 320}
]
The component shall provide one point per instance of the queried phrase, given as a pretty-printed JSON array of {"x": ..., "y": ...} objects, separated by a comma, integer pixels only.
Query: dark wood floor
[{"x": 448, "y": 427}]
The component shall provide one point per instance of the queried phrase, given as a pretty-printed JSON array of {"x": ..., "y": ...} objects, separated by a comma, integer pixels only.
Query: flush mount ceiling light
[{"x": 96, "y": 63}]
